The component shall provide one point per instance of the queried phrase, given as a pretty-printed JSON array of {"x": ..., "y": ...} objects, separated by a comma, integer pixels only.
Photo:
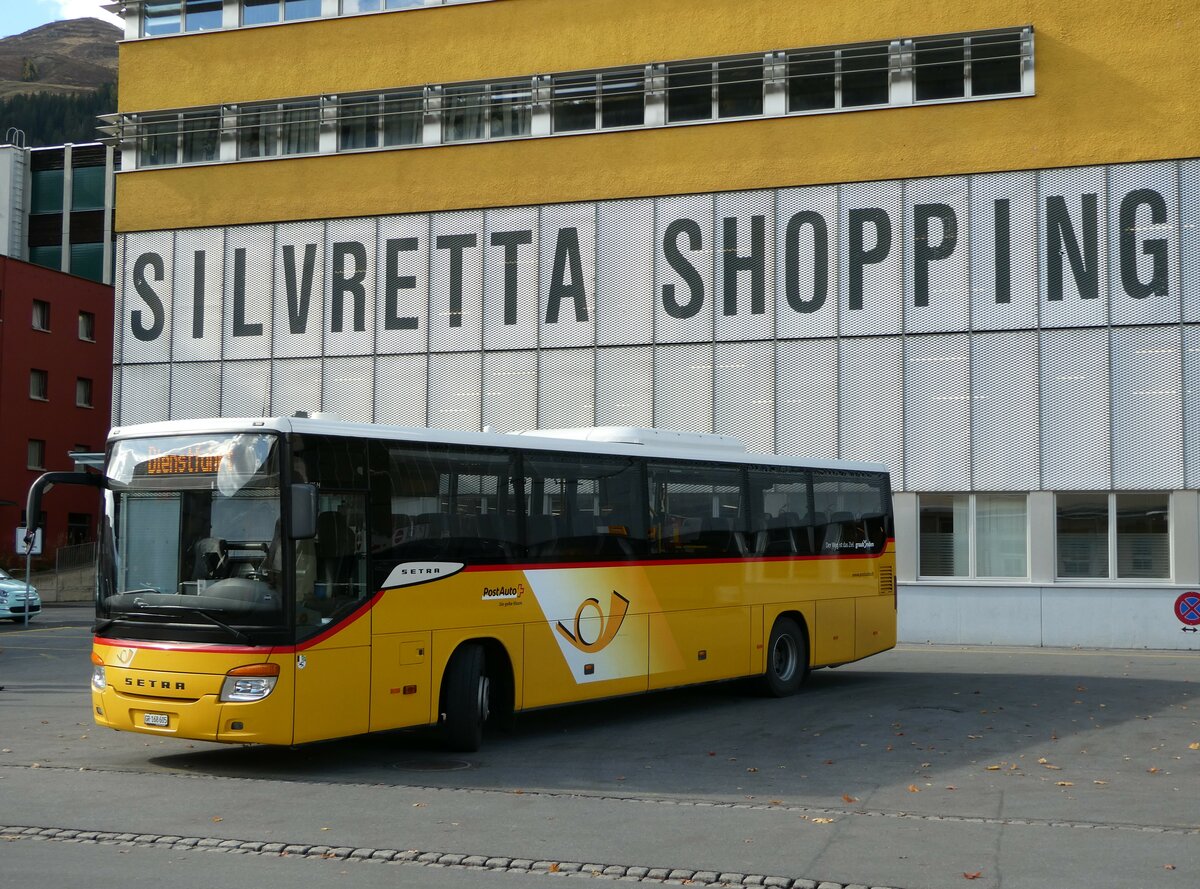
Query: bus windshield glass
[{"x": 192, "y": 532}]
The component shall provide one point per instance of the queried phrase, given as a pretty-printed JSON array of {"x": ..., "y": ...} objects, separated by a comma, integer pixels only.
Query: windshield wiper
[{"x": 199, "y": 612}]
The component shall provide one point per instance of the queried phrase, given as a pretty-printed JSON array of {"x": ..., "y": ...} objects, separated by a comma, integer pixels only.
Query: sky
[{"x": 18, "y": 16}]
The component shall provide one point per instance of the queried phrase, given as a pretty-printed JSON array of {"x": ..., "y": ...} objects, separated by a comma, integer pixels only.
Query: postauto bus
[{"x": 287, "y": 580}]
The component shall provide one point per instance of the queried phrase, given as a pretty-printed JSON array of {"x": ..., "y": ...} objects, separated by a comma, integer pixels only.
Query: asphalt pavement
[{"x": 923, "y": 768}]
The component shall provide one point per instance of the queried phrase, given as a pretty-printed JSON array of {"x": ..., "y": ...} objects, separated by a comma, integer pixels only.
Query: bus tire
[
  {"x": 466, "y": 699},
  {"x": 787, "y": 659}
]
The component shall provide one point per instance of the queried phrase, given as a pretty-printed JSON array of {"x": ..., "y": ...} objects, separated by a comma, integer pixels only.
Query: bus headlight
[
  {"x": 99, "y": 683},
  {"x": 250, "y": 683}
]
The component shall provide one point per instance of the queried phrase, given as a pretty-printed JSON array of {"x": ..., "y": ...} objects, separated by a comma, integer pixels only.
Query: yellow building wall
[{"x": 1116, "y": 81}]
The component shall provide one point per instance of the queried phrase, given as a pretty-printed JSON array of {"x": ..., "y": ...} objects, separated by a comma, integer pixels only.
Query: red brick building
[{"x": 55, "y": 397}]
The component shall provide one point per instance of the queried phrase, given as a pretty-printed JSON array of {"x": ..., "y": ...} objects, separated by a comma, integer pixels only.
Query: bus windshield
[{"x": 192, "y": 532}]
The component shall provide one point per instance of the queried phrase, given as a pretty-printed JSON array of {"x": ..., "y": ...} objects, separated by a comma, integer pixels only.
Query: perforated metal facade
[{"x": 1003, "y": 331}]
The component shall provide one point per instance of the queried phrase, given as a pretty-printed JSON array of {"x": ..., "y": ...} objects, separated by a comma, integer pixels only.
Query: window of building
[
  {"x": 87, "y": 261},
  {"x": 811, "y": 81},
  {"x": 352, "y": 6},
  {"x": 87, "y": 326},
  {"x": 39, "y": 385},
  {"x": 510, "y": 109},
  {"x": 1106, "y": 536},
  {"x": 380, "y": 120},
  {"x": 172, "y": 16},
  {"x": 41, "y": 315},
  {"x": 740, "y": 87},
  {"x": 865, "y": 72},
  {"x": 78, "y": 528},
  {"x": 87, "y": 188},
  {"x": 35, "y": 454},
  {"x": 47, "y": 192},
  {"x": 83, "y": 392},
  {"x": 463, "y": 110},
  {"x": 689, "y": 92},
  {"x": 264, "y": 12},
  {"x": 278, "y": 129},
  {"x": 48, "y": 257},
  {"x": 972, "y": 536},
  {"x": 598, "y": 101}
]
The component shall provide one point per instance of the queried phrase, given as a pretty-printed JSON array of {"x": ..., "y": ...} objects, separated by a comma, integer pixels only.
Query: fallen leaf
[
  {"x": 553, "y": 867},
  {"x": 951, "y": 787},
  {"x": 1064, "y": 784},
  {"x": 993, "y": 768},
  {"x": 751, "y": 769},
  {"x": 913, "y": 788},
  {"x": 1168, "y": 867},
  {"x": 1042, "y": 760},
  {"x": 974, "y": 876},
  {"x": 217, "y": 818},
  {"x": 1195, "y": 745},
  {"x": 1101, "y": 783},
  {"x": 1154, "y": 770},
  {"x": 847, "y": 798},
  {"x": 1054, "y": 768},
  {"x": 822, "y": 821},
  {"x": 829, "y": 762}
]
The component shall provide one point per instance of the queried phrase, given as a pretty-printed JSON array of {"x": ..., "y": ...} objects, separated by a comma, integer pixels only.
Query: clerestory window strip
[{"x": 817, "y": 80}]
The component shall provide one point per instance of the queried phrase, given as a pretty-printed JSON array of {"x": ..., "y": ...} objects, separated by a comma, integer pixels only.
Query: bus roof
[{"x": 615, "y": 440}]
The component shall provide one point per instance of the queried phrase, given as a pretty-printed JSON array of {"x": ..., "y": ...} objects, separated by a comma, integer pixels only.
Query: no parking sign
[{"x": 1187, "y": 609}]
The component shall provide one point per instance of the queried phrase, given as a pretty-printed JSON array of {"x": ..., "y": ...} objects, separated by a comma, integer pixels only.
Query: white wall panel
[
  {"x": 744, "y": 394},
  {"x": 510, "y": 390},
  {"x": 567, "y": 385},
  {"x": 402, "y": 266},
  {"x": 871, "y": 258},
  {"x": 136, "y": 381},
  {"x": 198, "y": 302},
  {"x": 455, "y": 394},
  {"x": 1073, "y": 220},
  {"x": 1147, "y": 408},
  {"x": 456, "y": 289},
  {"x": 195, "y": 390},
  {"x": 1143, "y": 233},
  {"x": 684, "y": 269},
  {"x": 510, "y": 278},
  {"x": 296, "y": 385},
  {"x": 299, "y": 292},
  {"x": 625, "y": 286},
  {"x": 1004, "y": 250},
  {"x": 937, "y": 252},
  {"x": 246, "y": 389},
  {"x": 683, "y": 387},
  {"x": 348, "y": 387},
  {"x": 806, "y": 262},
  {"x": 567, "y": 293},
  {"x": 806, "y": 398},
  {"x": 937, "y": 399},
  {"x": 1006, "y": 436},
  {"x": 350, "y": 286},
  {"x": 400, "y": 389},
  {"x": 146, "y": 321},
  {"x": 871, "y": 381},
  {"x": 1075, "y": 410},
  {"x": 625, "y": 386},
  {"x": 744, "y": 278},
  {"x": 249, "y": 283}
]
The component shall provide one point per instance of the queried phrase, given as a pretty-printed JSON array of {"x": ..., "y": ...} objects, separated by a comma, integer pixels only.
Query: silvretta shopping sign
[{"x": 1052, "y": 248}]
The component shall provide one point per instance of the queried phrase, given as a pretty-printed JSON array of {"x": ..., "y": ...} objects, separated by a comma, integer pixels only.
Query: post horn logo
[
  {"x": 125, "y": 655},
  {"x": 609, "y": 626}
]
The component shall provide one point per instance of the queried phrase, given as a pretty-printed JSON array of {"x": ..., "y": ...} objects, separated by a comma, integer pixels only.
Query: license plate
[{"x": 158, "y": 719}]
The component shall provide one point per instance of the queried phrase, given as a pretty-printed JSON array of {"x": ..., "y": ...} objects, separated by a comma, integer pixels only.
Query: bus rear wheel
[
  {"x": 466, "y": 699},
  {"x": 787, "y": 659}
]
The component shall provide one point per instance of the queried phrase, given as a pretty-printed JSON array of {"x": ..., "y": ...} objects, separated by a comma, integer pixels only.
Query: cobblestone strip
[{"x": 416, "y": 857}]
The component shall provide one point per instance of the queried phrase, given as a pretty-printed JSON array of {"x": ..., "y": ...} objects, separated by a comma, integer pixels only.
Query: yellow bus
[{"x": 287, "y": 580}]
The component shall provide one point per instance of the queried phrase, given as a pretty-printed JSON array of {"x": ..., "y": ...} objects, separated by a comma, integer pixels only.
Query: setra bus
[{"x": 287, "y": 580}]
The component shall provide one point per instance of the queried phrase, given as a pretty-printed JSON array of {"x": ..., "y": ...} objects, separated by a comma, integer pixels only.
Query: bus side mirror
[{"x": 304, "y": 512}]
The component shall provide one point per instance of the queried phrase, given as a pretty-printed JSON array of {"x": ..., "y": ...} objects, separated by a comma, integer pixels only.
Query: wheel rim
[{"x": 784, "y": 658}]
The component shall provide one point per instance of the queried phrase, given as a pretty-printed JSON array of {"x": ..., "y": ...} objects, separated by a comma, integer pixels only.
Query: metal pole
[{"x": 28, "y": 558}]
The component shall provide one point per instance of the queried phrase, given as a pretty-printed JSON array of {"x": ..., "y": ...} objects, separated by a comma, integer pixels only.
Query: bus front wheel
[
  {"x": 787, "y": 659},
  {"x": 466, "y": 699}
]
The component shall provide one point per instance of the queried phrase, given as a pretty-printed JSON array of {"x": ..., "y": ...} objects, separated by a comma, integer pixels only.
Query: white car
[{"x": 14, "y": 600}]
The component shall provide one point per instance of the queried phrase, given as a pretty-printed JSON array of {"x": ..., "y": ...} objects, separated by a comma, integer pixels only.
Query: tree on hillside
[{"x": 49, "y": 119}]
